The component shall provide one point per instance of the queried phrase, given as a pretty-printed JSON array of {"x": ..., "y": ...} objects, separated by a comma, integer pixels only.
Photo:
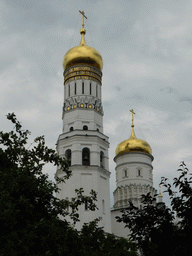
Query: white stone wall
[
  {"x": 118, "y": 228},
  {"x": 135, "y": 168},
  {"x": 134, "y": 177},
  {"x": 96, "y": 175},
  {"x": 79, "y": 117},
  {"x": 77, "y": 140},
  {"x": 88, "y": 178}
]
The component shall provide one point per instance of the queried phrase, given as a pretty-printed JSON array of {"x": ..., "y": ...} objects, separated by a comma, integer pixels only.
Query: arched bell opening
[
  {"x": 68, "y": 156},
  {"x": 86, "y": 156}
]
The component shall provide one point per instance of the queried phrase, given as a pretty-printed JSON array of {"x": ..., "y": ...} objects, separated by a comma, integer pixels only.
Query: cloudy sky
[{"x": 147, "y": 52}]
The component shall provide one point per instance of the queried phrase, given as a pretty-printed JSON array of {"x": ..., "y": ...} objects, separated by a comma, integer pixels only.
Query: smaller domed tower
[{"x": 134, "y": 176}]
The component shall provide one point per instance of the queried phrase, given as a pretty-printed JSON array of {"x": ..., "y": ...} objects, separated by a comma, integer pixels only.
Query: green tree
[
  {"x": 96, "y": 242},
  {"x": 154, "y": 227},
  {"x": 29, "y": 209}
]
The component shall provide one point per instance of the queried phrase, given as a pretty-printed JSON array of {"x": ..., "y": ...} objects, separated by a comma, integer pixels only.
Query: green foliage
[
  {"x": 98, "y": 243},
  {"x": 154, "y": 227},
  {"x": 29, "y": 209}
]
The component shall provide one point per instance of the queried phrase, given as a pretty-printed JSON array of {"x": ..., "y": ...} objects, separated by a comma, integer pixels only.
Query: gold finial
[
  {"x": 132, "y": 125},
  {"x": 82, "y": 31}
]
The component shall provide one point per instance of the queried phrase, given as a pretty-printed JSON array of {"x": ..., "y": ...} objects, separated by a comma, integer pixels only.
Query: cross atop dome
[
  {"x": 83, "y": 15},
  {"x": 133, "y": 113},
  {"x": 83, "y": 55},
  {"x": 133, "y": 144},
  {"x": 83, "y": 31}
]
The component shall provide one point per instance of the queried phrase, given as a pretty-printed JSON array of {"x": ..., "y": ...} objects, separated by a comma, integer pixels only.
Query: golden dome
[
  {"x": 83, "y": 54},
  {"x": 133, "y": 145}
]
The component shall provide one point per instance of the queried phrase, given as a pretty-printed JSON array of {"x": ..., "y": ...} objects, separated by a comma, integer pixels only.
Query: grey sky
[{"x": 147, "y": 51}]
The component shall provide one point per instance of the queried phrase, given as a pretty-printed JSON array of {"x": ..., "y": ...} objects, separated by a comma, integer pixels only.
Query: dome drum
[{"x": 84, "y": 72}]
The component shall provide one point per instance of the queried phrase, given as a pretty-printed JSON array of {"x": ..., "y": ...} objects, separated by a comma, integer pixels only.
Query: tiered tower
[
  {"x": 134, "y": 176},
  {"x": 82, "y": 141}
]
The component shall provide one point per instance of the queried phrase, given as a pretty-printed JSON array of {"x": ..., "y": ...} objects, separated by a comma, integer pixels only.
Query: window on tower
[
  {"x": 83, "y": 88},
  {"x": 86, "y": 206},
  {"x": 103, "y": 206},
  {"x": 86, "y": 156},
  {"x": 96, "y": 90},
  {"x": 69, "y": 90},
  {"x": 75, "y": 89},
  {"x": 139, "y": 173},
  {"x": 68, "y": 156},
  {"x": 102, "y": 165},
  {"x": 90, "y": 88}
]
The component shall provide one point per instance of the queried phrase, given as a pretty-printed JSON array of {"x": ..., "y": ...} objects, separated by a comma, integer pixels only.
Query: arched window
[
  {"x": 71, "y": 129},
  {"x": 85, "y": 127},
  {"x": 68, "y": 156},
  {"x": 102, "y": 165},
  {"x": 83, "y": 88},
  {"x": 86, "y": 156},
  {"x": 90, "y": 88},
  {"x": 69, "y": 90}
]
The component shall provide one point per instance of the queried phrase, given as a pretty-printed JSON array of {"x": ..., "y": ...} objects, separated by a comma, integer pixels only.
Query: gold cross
[
  {"x": 83, "y": 15},
  {"x": 132, "y": 111}
]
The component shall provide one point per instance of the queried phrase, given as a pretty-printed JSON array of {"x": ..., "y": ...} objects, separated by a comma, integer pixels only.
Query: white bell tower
[{"x": 82, "y": 141}]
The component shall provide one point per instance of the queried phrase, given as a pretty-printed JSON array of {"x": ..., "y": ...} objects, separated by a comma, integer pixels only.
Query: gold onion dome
[
  {"x": 83, "y": 54},
  {"x": 133, "y": 144}
]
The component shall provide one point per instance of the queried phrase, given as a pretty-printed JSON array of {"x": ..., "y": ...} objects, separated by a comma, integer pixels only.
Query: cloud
[
  {"x": 186, "y": 99},
  {"x": 145, "y": 69}
]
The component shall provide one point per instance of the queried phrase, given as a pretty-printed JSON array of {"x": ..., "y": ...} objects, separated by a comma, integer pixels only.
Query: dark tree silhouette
[{"x": 155, "y": 228}]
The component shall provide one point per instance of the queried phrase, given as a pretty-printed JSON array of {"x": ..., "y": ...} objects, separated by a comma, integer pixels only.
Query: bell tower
[
  {"x": 82, "y": 141},
  {"x": 134, "y": 176}
]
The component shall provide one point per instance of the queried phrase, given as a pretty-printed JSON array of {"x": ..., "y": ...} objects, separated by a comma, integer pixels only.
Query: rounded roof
[
  {"x": 133, "y": 145},
  {"x": 83, "y": 54}
]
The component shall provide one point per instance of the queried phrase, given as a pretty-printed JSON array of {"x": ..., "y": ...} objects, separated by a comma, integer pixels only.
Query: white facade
[
  {"x": 134, "y": 177},
  {"x": 83, "y": 143}
]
